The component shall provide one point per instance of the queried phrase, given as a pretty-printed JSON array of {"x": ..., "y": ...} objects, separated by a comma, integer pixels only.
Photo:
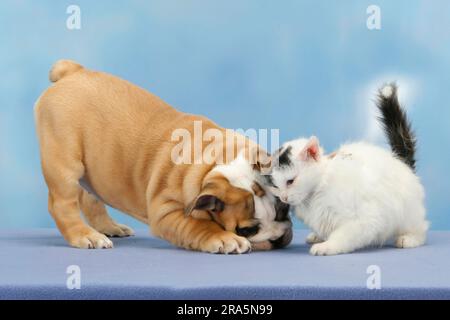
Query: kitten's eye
[{"x": 289, "y": 182}]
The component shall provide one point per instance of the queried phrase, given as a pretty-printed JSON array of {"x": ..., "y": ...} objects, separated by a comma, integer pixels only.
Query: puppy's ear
[{"x": 206, "y": 202}]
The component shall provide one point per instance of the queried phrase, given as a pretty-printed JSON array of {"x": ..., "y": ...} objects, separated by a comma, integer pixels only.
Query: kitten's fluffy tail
[{"x": 396, "y": 125}]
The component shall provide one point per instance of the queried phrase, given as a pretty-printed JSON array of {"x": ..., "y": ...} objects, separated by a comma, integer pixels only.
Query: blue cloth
[{"x": 33, "y": 265}]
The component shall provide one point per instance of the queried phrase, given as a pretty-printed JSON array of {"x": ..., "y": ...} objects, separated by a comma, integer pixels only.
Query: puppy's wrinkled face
[
  {"x": 275, "y": 224},
  {"x": 235, "y": 199},
  {"x": 231, "y": 207}
]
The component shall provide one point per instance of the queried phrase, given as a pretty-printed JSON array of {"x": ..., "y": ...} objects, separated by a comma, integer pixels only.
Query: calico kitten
[{"x": 360, "y": 195}]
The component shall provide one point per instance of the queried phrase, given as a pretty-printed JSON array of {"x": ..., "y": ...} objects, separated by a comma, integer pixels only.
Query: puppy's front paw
[
  {"x": 323, "y": 249},
  {"x": 226, "y": 242}
]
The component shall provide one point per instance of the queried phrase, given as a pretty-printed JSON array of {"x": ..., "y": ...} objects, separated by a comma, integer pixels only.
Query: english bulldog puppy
[{"x": 104, "y": 141}]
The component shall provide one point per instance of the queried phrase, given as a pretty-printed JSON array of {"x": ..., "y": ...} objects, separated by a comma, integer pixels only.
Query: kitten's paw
[
  {"x": 323, "y": 249},
  {"x": 313, "y": 238},
  {"x": 409, "y": 241}
]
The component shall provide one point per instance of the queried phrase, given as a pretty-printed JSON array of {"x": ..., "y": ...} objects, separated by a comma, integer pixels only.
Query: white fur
[
  {"x": 240, "y": 173},
  {"x": 362, "y": 196},
  {"x": 387, "y": 91}
]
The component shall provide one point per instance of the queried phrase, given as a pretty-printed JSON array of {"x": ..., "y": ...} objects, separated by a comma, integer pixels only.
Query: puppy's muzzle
[
  {"x": 282, "y": 241},
  {"x": 278, "y": 243},
  {"x": 282, "y": 216}
]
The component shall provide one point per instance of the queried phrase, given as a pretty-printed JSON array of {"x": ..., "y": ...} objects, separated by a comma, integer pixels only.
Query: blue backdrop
[{"x": 304, "y": 67}]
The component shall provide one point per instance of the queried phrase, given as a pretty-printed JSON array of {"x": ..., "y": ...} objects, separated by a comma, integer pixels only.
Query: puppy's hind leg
[
  {"x": 97, "y": 216},
  {"x": 62, "y": 172}
]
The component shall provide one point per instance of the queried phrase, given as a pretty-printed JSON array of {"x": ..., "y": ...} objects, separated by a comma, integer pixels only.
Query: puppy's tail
[
  {"x": 396, "y": 125},
  {"x": 63, "y": 68}
]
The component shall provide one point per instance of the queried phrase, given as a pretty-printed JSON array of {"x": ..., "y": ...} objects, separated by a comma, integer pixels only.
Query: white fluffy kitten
[{"x": 360, "y": 195}]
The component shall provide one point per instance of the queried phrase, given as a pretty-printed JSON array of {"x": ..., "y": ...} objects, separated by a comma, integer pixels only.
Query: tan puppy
[{"x": 104, "y": 141}]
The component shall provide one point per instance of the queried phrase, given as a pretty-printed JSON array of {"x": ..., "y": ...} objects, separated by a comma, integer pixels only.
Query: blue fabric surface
[{"x": 33, "y": 265}]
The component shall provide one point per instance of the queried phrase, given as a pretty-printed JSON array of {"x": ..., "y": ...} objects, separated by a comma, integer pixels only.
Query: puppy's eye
[{"x": 289, "y": 182}]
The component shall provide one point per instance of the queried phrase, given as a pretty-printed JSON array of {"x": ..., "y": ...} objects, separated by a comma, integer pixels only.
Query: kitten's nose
[{"x": 284, "y": 198}]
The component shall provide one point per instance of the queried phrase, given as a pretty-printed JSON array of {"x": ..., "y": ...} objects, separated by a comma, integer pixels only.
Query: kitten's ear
[{"x": 311, "y": 151}]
